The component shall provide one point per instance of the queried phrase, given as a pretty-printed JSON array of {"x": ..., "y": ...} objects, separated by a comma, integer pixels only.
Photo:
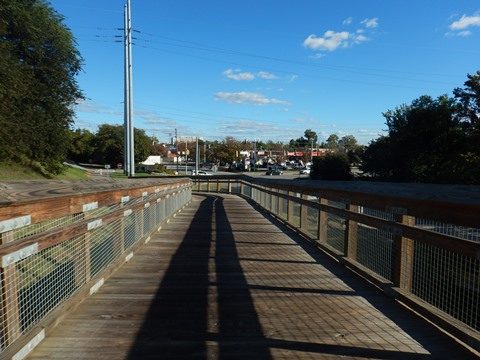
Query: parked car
[
  {"x": 274, "y": 172},
  {"x": 200, "y": 172},
  {"x": 305, "y": 170},
  {"x": 276, "y": 167}
]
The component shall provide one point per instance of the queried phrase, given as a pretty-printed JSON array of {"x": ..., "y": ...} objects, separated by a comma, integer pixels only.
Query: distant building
[{"x": 186, "y": 139}]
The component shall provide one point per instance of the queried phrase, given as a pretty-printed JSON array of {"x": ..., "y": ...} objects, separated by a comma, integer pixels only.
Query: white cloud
[
  {"x": 465, "y": 22},
  {"x": 370, "y": 23},
  {"x": 292, "y": 78},
  {"x": 266, "y": 75},
  {"x": 248, "y": 98},
  {"x": 333, "y": 40},
  {"x": 330, "y": 41},
  {"x": 94, "y": 108},
  {"x": 236, "y": 74}
]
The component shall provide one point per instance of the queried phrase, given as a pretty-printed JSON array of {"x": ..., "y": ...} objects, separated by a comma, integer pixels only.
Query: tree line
[{"x": 431, "y": 140}]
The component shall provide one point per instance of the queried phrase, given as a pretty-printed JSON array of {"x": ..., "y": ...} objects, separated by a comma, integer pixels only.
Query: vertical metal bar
[
  {"x": 126, "y": 133},
  {"x": 130, "y": 94}
]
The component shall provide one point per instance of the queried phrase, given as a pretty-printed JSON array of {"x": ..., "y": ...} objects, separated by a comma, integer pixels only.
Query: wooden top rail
[
  {"x": 49, "y": 199},
  {"x": 451, "y": 204}
]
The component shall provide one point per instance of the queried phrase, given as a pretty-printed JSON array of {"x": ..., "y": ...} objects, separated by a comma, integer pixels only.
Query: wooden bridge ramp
[{"x": 224, "y": 281}]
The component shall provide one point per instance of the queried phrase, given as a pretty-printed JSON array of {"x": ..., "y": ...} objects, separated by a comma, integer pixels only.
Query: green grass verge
[{"x": 14, "y": 171}]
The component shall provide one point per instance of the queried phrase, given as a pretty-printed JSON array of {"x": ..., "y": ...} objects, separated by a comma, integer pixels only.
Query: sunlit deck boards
[{"x": 222, "y": 281}]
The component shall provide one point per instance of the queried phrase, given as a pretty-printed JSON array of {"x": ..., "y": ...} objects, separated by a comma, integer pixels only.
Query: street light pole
[{"x": 311, "y": 153}]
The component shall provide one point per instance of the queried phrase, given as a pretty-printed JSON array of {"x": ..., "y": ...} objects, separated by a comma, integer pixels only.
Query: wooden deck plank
[{"x": 223, "y": 281}]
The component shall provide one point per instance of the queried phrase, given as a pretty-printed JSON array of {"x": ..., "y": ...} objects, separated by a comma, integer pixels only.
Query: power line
[{"x": 349, "y": 69}]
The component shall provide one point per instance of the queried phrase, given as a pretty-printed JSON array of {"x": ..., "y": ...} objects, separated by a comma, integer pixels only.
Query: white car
[
  {"x": 305, "y": 171},
  {"x": 200, "y": 172}
]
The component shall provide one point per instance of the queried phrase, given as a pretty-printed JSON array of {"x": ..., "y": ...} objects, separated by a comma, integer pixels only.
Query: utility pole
[
  {"x": 126, "y": 134},
  {"x": 176, "y": 146},
  {"x": 311, "y": 153},
  {"x": 197, "y": 156},
  {"x": 129, "y": 156}
]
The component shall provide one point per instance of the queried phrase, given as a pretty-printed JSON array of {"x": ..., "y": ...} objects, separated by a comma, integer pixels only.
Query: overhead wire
[{"x": 379, "y": 73}]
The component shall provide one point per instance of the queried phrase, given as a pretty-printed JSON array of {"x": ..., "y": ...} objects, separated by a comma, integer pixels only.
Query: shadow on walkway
[
  {"x": 204, "y": 307},
  {"x": 182, "y": 322}
]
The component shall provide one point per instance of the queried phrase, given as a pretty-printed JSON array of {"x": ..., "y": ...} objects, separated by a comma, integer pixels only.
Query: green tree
[
  {"x": 81, "y": 146},
  {"x": 143, "y": 145},
  {"x": 108, "y": 143},
  {"x": 310, "y": 136},
  {"x": 377, "y": 158},
  {"x": 334, "y": 166},
  {"x": 332, "y": 142},
  {"x": 469, "y": 98},
  {"x": 348, "y": 142},
  {"x": 425, "y": 143},
  {"x": 304, "y": 143},
  {"x": 38, "y": 65}
]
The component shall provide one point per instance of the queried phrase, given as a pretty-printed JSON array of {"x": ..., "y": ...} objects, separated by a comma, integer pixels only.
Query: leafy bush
[{"x": 333, "y": 166}]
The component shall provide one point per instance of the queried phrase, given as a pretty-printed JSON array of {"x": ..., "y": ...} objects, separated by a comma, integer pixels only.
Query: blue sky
[{"x": 269, "y": 70}]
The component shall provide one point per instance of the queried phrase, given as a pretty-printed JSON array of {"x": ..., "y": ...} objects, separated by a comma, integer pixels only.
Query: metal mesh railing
[
  {"x": 44, "y": 281},
  {"x": 448, "y": 281},
  {"x": 375, "y": 241},
  {"x": 462, "y": 232},
  {"x": 375, "y": 250},
  {"x": 445, "y": 279},
  {"x": 35, "y": 282}
]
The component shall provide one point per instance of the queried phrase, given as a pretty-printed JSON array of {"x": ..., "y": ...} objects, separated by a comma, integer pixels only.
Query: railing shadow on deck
[
  {"x": 239, "y": 332},
  {"x": 407, "y": 321}
]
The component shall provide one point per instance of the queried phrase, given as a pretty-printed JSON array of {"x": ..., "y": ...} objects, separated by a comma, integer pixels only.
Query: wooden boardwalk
[{"x": 224, "y": 281}]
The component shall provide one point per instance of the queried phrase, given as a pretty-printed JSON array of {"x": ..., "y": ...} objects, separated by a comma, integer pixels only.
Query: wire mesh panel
[
  {"x": 129, "y": 231},
  {"x": 34, "y": 283},
  {"x": 223, "y": 186},
  {"x": 247, "y": 190},
  {"x": 374, "y": 250},
  {"x": 39, "y": 228},
  {"x": 104, "y": 248},
  {"x": 235, "y": 187},
  {"x": 295, "y": 211},
  {"x": 375, "y": 246},
  {"x": 160, "y": 212},
  {"x": 148, "y": 219},
  {"x": 462, "y": 232},
  {"x": 42, "y": 282},
  {"x": 311, "y": 223},
  {"x": 336, "y": 227},
  {"x": 283, "y": 208},
  {"x": 336, "y": 232},
  {"x": 266, "y": 199},
  {"x": 201, "y": 185},
  {"x": 448, "y": 281},
  {"x": 274, "y": 203}
]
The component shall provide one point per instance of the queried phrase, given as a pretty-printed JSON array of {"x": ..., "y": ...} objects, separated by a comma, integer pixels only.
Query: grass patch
[
  {"x": 73, "y": 174},
  {"x": 15, "y": 171}
]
